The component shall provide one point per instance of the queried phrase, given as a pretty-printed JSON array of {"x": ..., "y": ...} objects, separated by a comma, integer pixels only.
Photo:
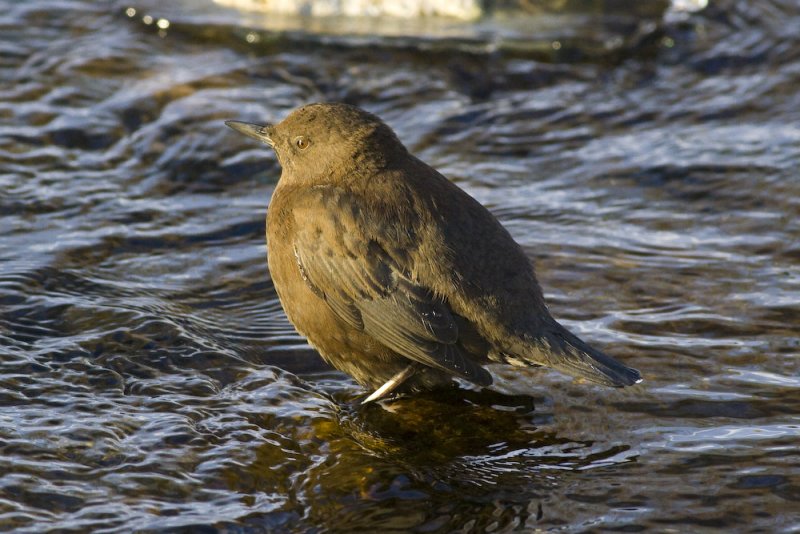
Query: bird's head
[{"x": 322, "y": 143}]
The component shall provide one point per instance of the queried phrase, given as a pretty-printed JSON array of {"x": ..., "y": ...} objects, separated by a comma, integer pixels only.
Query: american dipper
[{"x": 396, "y": 275}]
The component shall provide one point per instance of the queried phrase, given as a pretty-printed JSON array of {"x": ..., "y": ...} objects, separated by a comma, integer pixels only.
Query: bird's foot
[{"x": 393, "y": 383}]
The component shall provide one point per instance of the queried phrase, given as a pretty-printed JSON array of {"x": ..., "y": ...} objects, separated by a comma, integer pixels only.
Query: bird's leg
[{"x": 391, "y": 384}]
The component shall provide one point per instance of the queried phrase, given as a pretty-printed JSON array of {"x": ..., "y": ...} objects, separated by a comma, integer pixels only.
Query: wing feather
[{"x": 372, "y": 292}]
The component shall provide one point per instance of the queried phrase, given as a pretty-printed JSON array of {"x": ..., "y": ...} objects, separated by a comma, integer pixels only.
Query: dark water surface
[{"x": 149, "y": 379}]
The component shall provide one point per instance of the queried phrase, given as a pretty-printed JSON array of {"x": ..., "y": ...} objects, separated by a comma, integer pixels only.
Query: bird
[{"x": 396, "y": 275}]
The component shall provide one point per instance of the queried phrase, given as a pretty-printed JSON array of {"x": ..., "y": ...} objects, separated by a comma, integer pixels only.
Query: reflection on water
[{"x": 149, "y": 379}]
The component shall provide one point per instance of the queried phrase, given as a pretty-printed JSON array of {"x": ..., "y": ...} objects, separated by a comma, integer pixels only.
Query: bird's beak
[{"x": 256, "y": 131}]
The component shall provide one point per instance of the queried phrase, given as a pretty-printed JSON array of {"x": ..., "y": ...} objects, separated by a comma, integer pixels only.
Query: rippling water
[{"x": 149, "y": 379}]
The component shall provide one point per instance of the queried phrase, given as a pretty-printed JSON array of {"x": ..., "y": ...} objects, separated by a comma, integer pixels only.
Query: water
[{"x": 149, "y": 380}]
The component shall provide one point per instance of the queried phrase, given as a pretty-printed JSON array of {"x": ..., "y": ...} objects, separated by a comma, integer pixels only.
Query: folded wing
[{"x": 348, "y": 266}]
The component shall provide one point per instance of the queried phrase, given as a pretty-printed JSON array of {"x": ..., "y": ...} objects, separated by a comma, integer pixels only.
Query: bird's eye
[{"x": 302, "y": 143}]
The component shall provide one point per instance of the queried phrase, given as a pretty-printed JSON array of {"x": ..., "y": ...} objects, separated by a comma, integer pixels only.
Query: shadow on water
[{"x": 424, "y": 462}]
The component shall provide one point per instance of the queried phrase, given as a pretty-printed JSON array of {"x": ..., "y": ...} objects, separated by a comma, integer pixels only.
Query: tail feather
[{"x": 565, "y": 352}]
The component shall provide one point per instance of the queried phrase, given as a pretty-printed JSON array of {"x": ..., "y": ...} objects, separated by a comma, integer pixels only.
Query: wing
[{"x": 339, "y": 247}]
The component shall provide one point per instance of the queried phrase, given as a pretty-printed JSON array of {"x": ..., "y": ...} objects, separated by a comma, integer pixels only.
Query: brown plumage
[{"x": 393, "y": 273}]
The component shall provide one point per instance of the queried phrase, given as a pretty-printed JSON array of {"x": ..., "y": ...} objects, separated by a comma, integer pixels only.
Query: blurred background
[{"x": 645, "y": 154}]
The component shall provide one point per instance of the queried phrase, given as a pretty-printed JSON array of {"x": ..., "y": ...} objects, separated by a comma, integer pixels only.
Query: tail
[{"x": 565, "y": 352}]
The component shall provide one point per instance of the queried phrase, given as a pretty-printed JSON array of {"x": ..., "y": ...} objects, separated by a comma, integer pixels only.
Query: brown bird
[{"x": 396, "y": 275}]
